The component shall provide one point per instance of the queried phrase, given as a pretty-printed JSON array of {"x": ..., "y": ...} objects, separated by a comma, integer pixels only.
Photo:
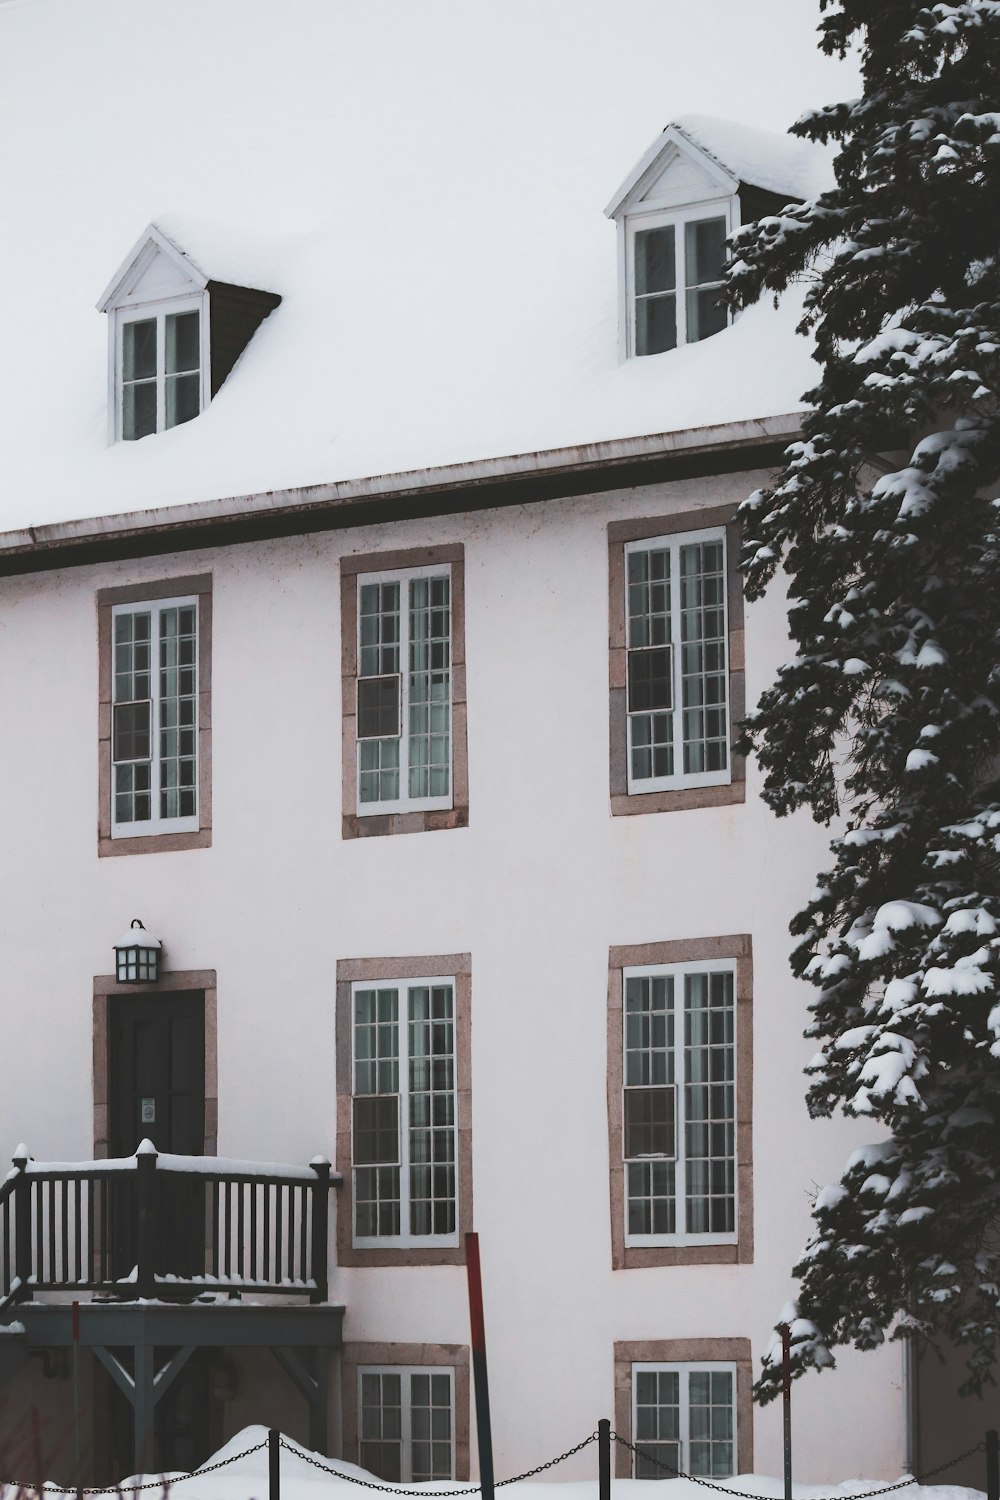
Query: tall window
[
  {"x": 404, "y": 691},
  {"x": 677, "y": 668},
  {"x": 679, "y": 1104},
  {"x": 154, "y": 717},
  {"x": 405, "y": 1185},
  {"x": 677, "y": 279},
  {"x": 161, "y": 371},
  {"x": 406, "y": 1422},
  {"x": 684, "y": 1417}
]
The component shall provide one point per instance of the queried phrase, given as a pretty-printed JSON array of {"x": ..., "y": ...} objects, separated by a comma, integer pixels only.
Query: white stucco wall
[{"x": 537, "y": 889}]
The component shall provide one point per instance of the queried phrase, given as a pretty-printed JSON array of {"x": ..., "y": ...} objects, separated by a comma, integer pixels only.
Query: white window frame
[
  {"x": 159, "y": 310},
  {"x": 696, "y": 1367},
  {"x": 155, "y": 824},
  {"x": 678, "y": 972},
  {"x": 406, "y": 1433},
  {"x": 672, "y": 543},
  {"x": 406, "y": 803},
  {"x": 711, "y": 208},
  {"x": 406, "y": 1239}
]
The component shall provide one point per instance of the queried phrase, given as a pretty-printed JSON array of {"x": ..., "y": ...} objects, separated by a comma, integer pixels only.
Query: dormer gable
[
  {"x": 176, "y": 327},
  {"x": 682, "y": 201}
]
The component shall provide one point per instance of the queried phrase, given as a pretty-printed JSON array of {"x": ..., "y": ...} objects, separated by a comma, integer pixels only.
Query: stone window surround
[
  {"x": 684, "y": 1351},
  {"x": 453, "y": 1356},
  {"x": 372, "y": 970},
  {"x": 171, "y": 982},
  {"x": 647, "y": 527},
  {"x": 694, "y": 950},
  {"x": 168, "y": 588},
  {"x": 457, "y": 816}
]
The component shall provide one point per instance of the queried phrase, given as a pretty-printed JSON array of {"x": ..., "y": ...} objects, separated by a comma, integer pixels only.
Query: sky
[{"x": 481, "y": 138}]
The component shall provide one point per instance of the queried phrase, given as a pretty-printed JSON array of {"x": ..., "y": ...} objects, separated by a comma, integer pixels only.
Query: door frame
[{"x": 106, "y": 985}]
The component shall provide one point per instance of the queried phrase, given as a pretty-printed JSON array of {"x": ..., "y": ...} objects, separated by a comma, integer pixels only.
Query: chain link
[
  {"x": 885, "y": 1489},
  {"x": 129, "y": 1489},
  {"x": 471, "y": 1489}
]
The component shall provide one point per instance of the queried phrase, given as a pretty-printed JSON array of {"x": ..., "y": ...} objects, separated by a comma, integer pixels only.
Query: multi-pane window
[
  {"x": 679, "y": 1104},
  {"x": 404, "y": 691},
  {"x": 404, "y": 1113},
  {"x": 684, "y": 1418},
  {"x": 406, "y": 1423},
  {"x": 677, "y": 668},
  {"x": 161, "y": 371},
  {"x": 154, "y": 717},
  {"x": 677, "y": 279}
]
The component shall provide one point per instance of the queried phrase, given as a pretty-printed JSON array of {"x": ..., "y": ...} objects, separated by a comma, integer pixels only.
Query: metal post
[
  {"x": 76, "y": 1391},
  {"x": 786, "y": 1402},
  {"x": 992, "y": 1465},
  {"x": 604, "y": 1459},
  {"x": 478, "y": 1328},
  {"x": 274, "y": 1464}
]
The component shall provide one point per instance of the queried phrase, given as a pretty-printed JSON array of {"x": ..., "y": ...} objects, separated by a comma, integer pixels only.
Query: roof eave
[{"x": 486, "y": 483}]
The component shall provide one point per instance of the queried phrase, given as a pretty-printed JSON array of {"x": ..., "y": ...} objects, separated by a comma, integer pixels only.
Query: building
[{"x": 399, "y": 707}]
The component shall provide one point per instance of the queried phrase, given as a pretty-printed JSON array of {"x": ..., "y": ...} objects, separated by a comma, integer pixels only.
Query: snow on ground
[{"x": 247, "y": 1479}]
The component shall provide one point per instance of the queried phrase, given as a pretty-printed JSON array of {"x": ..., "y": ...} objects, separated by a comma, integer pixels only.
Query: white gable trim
[
  {"x": 150, "y": 243},
  {"x": 669, "y": 144}
]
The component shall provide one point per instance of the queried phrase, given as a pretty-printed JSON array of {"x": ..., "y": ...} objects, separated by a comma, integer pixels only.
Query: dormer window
[
  {"x": 676, "y": 280},
  {"x": 676, "y": 211},
  {"x": 161, "y": 366},
  {"x": 175, "y": 333}
]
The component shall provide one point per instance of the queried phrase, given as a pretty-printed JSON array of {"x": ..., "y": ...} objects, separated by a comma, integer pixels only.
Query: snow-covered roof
[
  {"x": 793, "y": 169},
  {"x": 426, "y": 197}
]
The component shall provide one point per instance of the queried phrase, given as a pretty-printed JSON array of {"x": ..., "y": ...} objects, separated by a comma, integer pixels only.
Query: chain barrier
[
  {"x": 163, "y": 1485},
  {"x": 470, "y": 1489},
  {"x": 884, "y": 1489}
]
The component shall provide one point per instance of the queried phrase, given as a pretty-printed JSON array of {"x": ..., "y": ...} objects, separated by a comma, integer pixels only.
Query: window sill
[
  {"x": 374, "y": 825},
  {"x": 626, "y": 804},
  {"x": 155, "y": 843},
  {"x": 635, "y": 1257},
  {"x": 396, "y": 1255}
]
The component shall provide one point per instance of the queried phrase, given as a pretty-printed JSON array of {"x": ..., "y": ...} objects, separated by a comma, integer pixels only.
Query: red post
[
  {"x": 78, "y": 1455},
  {"x": 478, "y": 1331},
  {"x": 786, "y": 1402}
]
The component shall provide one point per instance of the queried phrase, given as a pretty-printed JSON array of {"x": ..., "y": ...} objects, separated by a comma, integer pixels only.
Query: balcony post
[
  {"x": 320, "y": 1228},
  {"x": 22, "y": 1223},
  {"x": 145, "y": 1200}
]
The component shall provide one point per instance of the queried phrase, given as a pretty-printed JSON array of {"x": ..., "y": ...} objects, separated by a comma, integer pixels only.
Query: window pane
[
  {"x": 376, "y": 1130},
  {"x": 178, "y": 687},
  {"x": 430, "y": 687},
  {"x": 655, "y": 260},
  {"x": 710, "y": 1108},
  {"x": 430, "y": 1417},
  {"x": 139, "y": 350},
  {"x": 433, "y": 1189},
  {"x": 711, "y": 1422},
  {"x": 650, "y": 1122},
  {"x": 183, "y": 352},
  {"x": 381, "y": 1426},
  {"x": 655, "y": 324},
  {"x": 183, "y": 398},
  {"x": 378, "y": 707},
  {"x": 131, "y": 731},
  {"x": 138, "y": 410},
  {"x": 657, "y": 1424},
  {"x": 705, "y": 314},
  {"x": 703, "y": 659},
  {"x": 704, "y": 252},
  {"x": 649, "y": 679}
]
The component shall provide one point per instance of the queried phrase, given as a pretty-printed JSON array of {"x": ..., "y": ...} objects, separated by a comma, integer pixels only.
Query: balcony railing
[{"x": 156, "y": 1225}]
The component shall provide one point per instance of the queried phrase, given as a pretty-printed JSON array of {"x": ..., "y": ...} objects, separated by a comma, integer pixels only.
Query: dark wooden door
[{"x": 156, "y": 1091}]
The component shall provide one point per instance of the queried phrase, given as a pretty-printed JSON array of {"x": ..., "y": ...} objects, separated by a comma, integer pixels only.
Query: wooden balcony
[
  {"x": 122, "y": 1257},
  {"x": 163, "y": 1226}
]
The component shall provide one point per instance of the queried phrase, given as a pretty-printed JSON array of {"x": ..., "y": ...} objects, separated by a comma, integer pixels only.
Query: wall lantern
[{"x": 137, "y": 956}]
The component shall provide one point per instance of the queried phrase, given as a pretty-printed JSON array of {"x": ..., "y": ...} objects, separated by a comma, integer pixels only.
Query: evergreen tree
[{"x": 888, "y": 714}]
